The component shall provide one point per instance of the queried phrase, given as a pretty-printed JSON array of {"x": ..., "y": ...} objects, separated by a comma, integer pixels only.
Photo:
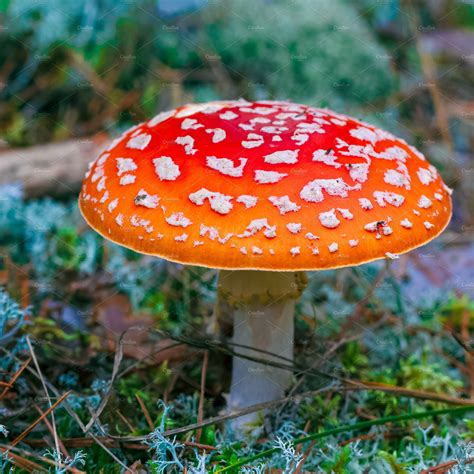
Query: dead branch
[{"x": 55, "y": 169}]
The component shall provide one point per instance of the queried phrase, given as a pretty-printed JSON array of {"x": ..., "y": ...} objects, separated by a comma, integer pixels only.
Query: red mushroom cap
[{"x": 264, "y": 185}]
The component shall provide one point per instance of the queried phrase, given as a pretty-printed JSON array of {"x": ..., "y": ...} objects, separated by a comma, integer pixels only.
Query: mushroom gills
[{"x": 263, "y": 307}]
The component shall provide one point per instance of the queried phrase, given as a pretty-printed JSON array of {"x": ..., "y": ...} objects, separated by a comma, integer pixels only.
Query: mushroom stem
[{"x": 263, "y": 306}]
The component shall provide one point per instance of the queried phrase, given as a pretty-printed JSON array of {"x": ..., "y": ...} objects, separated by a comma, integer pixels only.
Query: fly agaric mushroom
[{"x": 263, "y": 191}]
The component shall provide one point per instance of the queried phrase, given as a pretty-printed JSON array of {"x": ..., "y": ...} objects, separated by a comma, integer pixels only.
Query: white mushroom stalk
[{"x": 263, "y": 306}]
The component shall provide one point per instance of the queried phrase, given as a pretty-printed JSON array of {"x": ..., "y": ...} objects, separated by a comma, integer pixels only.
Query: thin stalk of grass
[{"x": 356, "y": 426}]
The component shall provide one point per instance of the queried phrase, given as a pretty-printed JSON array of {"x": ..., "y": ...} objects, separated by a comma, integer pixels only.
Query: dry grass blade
[
  {"x": 445, "y": 467},
  {"x": 51, "y": 430},
  {"x": 109, "y": 452},
  {"x": 441, "y": 115},
  {"x": 300, "y": 465},
  {"x": 459, "y": 340},
  {"x": 10, "y": 384},
  {"x": 420, "y": 394},
  {"x": 206, "y": 447},
  {"x": 87, "y": 443},
  {"x": 428, "y": 68},
  {"x": 145, "y": 411},
  {"x": 43, "y": 383},
  {"x": 22, "y": 462},
  {"x": 468, "y": 357},
  {"x": 110, "y": 443},
  {"x": 200, "y": 416},
  {"x": 36, "y": 467},
  {"x": 125, "y": 420},
  {"x": 136, "y": 364},
  {"x": 358, "y": 310},
  {"x": 25, "y": 433},
  {"x": 105, "y": 399}
]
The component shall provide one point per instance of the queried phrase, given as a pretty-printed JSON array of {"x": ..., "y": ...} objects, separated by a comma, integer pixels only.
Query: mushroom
[{"x": 263, "y": 191}]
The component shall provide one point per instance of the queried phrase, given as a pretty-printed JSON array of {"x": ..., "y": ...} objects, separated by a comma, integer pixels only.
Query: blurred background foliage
[
  {"x": 73, "y": 70},
  {"x": 78, "y": 69}
]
